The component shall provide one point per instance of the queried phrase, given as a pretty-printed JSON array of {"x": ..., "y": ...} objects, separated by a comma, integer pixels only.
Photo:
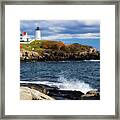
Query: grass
[
  {"x": 34, "y": 45},
  {"x": 41, "y": 45}
]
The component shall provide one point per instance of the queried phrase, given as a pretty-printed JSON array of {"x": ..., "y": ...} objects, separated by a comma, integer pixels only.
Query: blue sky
[{"x": 86, "y": 32}]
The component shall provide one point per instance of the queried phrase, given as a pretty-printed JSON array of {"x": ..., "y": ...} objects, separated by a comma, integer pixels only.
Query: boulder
[
  {"x": 29, "y": 55},
  {"x": 93, "y": 92},
  {"x": 27, "y": 93},
  {"x": 65, "y": 94},
  {"x": 36, "y": 95},
  {"x": 91, "y": 95}
]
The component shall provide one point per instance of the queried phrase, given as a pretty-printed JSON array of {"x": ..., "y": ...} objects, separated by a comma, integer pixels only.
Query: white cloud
[
  {"x": 57, "y": 29},
  {"x": 90, "y": 28},
  {"x": 69, "y": 36},
  {"x": 91, "y": 22}
]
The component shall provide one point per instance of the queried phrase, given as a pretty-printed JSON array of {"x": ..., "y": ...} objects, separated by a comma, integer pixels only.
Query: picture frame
[{"x": 50, "y": 2}]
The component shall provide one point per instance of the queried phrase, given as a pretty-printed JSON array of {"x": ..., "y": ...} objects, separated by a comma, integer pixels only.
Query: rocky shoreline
[
  {"x": 57, "y": 56},
  {"x": 30, "y": 91}
]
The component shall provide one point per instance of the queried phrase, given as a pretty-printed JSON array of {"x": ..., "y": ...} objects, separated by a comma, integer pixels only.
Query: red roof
[{"x": 23, "y": 33}]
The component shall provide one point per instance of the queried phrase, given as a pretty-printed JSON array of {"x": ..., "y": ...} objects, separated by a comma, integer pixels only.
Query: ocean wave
[
  {"x": 65, "y": 84},
  {"x": 93, "y": 60},
  {"x": 78, "y": 61},
  {"x": 73, "y": 84}
]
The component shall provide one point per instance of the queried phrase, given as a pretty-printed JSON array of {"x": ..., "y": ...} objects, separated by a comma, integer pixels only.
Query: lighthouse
[{"x": 37, "y": 34}]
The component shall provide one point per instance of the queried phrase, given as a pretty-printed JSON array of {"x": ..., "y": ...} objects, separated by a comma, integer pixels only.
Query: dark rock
[
  {"x": 65, "y": 94},
  {"x": 93, "y": 92},
  {"x": 91, "y": 95},
  {"x": 58, "y": 94},
  {"x": 55, "y": 92}
]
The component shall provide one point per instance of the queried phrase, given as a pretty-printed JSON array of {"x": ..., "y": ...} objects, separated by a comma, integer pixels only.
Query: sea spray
[{"x": 65, "y": 84}]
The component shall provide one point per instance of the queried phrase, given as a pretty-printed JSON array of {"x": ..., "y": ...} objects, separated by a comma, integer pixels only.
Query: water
[{"x": 69, "y": 75}]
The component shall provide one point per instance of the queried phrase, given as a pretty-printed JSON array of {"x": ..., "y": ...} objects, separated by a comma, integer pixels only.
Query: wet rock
[
  {"x": 93, "y": 92},
  {"x": 91, "y": 95},
  {"x": 65, "y": 94}
]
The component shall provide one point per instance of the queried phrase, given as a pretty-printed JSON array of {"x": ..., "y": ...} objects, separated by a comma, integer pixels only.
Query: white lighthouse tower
[{"x": 37, "y": 34}]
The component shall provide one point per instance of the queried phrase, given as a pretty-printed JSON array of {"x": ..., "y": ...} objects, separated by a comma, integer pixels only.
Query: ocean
[{"x": 67, "y": 75}]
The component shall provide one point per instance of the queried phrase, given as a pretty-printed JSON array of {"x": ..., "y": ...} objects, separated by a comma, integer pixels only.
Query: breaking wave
[{"x": 64, "y": 84}]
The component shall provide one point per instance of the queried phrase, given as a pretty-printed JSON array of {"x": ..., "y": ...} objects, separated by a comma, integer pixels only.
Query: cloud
[
  {"x": 91, "y": 22},
  {"x": 70, "y": 36},
  {"x": 58, "y": 29}
]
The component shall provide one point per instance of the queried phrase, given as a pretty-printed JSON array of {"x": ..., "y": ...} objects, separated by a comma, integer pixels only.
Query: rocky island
[{"x": 48, "y": 50}]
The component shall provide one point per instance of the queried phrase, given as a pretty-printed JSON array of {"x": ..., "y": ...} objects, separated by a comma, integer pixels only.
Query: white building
[
  {"x": 37, "y": 34},
  {"x": 24, "y": 37}
]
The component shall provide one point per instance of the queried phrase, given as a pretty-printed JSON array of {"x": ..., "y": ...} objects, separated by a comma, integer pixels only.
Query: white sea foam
[
  {"x": 93, "y": 60},
  {"x": 73, "y": 85},
  {"x": 65, "y": 84}
]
